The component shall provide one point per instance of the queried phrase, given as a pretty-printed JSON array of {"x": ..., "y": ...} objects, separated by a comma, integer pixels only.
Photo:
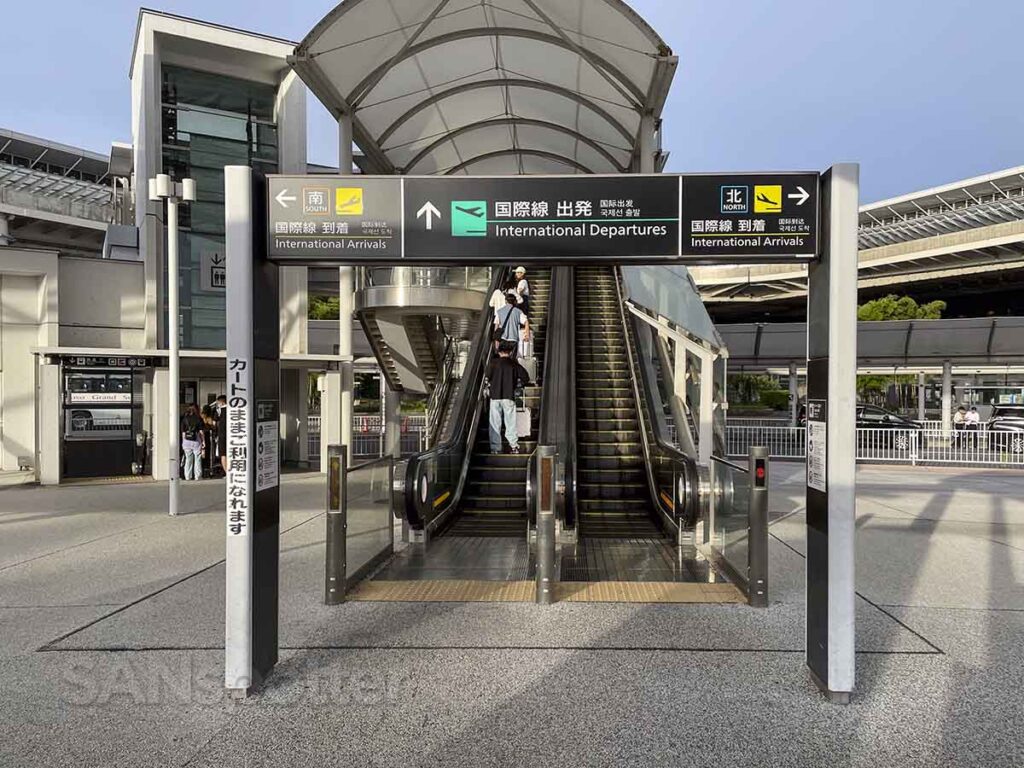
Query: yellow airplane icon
[{"x": 348, "y": 201}]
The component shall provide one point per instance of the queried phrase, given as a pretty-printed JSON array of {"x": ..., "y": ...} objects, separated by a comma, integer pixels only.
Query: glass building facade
[{"x": 210, "y": 121}]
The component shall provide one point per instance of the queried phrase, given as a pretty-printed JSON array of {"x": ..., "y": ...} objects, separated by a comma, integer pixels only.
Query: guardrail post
[
  {"x": 757, "y": 531},
  {"x": 545, "y": 524},
  {"x": 337, "y": 507}
]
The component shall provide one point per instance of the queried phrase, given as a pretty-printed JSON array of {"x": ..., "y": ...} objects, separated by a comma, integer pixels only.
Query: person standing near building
[
  {"x": 522, "y": 290},
  {"x": 222, "y": 431},
  {"x": 509, "y": 322},
  {"x": 192, "y": 443},
  {"x": 504, "y": 376}
]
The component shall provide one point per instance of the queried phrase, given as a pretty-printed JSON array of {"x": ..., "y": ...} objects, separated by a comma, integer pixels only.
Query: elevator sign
[{"x": 623, "y": 218}]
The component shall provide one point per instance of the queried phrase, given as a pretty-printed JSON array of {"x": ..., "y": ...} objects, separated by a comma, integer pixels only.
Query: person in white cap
[{"x": 523, "y": 290}]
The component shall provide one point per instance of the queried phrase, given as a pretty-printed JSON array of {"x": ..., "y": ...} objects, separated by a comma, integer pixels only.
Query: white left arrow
[
  {"x": 283, "y": 198},
  {"x": 430, "y": 211},
  {"x": 801, "y": 196}
]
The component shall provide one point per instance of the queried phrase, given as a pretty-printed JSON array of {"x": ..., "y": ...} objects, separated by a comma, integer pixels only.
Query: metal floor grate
[
  {"x": 635, "y": 559},
  {"x": 475, "y": 591},
  {"x": 471, "y": 558}
]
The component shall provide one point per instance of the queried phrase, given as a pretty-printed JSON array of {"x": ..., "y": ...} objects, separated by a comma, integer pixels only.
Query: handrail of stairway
[
  {"x": 434, "y": 479},
  {"x": 438, "y": 400}
]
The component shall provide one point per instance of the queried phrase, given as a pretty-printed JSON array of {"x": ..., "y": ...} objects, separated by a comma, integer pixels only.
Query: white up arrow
[
  {"x": 283, "y": 198},
  {"x": 800, "y": 196},
  {"x": 430, "y": 211}
]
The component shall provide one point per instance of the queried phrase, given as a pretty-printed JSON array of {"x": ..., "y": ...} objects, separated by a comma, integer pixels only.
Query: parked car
[
  {"x": 1009, "y": 418},
  {"x": 873, "y": 417}
]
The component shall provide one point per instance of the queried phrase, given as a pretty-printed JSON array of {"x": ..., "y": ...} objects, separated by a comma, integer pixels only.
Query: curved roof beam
[
  {"x": 519, "y": 121},
  {"x": 602, "y": 65},
  {"x": 502, "y": 82},
  {"x": 517, "y": 151}
]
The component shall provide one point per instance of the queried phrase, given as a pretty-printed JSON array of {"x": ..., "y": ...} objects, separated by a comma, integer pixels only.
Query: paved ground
[{"x": 128, "y": 606}]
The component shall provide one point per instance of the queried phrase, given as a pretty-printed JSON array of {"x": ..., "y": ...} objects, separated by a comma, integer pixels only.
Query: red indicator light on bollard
[{"x": 760, "y": 473}]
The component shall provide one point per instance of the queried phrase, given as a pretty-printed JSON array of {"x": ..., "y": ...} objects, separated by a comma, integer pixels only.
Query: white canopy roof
[{"x": 489, "y": 86}]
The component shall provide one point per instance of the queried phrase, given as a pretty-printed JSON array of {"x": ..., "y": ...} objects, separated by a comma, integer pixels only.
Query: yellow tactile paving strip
[{"x": 466, "y": 591}]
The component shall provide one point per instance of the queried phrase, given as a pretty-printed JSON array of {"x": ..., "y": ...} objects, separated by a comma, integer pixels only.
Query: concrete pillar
[
  {"x": 794, "y": 395},
  {"x": 392, "y": 421},
  {"x": 330, "y": 415},
  {"x": 5, "y": 230},
  {"x": 920, "y": 397},
  {"x": 158, "y": 437},
  {"x": 947, "y": 395},
  {"x": 48, "y": 468}
]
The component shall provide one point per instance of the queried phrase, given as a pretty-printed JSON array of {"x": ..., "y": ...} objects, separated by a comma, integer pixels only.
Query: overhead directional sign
[
  {"x": 728, "y": 215},
  {"x": 549, "y": 218},
  {"x": 650, "y": 219},
  {"x": 335, "y": 218}
]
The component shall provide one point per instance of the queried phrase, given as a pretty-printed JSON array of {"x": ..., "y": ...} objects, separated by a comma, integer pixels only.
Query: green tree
[
  {"x": 893, "y": 307},
  {"x": 323, "y": 308}
]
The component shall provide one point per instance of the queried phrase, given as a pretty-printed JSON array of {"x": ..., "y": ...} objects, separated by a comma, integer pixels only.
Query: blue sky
[{"x": 920, "y": 92}]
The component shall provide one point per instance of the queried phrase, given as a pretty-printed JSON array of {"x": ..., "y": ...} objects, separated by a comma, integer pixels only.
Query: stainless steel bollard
[
  {"x": 337, "y": 507},
  {"x": 545, "y": 525},
  {"x": 757, "y": 531}
]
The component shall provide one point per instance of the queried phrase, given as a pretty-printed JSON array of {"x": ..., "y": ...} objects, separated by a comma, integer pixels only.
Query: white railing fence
[
  {"x": 368, "y": 436},
  {"x": 979, "y": 447}
]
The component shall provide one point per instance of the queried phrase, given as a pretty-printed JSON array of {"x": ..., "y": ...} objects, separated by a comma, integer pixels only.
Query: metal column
[
  {"x": 346, "y": 299},
  {"x": 337, "y": 524},
  {"x": 545, "y": 480},
  {"x": 757, "y": 530},
  {"x": 794, "y": 395},
  {"x": 947, "y": 396},
  {"x": 831, "y": 423},
  {"x": 920, "y": 397}
]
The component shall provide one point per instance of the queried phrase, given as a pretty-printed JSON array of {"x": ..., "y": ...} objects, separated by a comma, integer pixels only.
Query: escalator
[
  {"x": 636, "y": 493},
  {"x": 494, "y": 502},
  {"x": 612, "y": 493},
  {"x": 458, "y": 488}
]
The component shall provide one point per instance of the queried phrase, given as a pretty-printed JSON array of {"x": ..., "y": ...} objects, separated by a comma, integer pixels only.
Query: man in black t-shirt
[{"x": 505, "y": 376}]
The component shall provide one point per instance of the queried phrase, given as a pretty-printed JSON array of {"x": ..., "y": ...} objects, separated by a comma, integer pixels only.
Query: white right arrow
[
  {"x": 283, "y": 198},
  {"x": 430, "y": 211},
  {"x": 801, "y": 196}
]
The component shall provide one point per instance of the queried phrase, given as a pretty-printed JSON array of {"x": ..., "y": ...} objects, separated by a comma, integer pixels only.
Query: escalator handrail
[
  {"x": 641, "y": 391},
  {"x": 465, "y": 421},
  {"x": 557, "y": 425}
]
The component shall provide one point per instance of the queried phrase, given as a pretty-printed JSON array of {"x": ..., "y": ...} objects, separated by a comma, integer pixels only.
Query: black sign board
[
  {"x": 651, "y": 219},
  {"x": 344, "y": 219},
  {"x": 549, "y": 218},
  {"x": 727, "y": 215}
]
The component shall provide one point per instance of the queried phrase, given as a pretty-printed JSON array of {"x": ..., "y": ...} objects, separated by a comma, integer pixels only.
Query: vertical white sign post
[
  {"x": 831, "y": 434},
  {"x": 252, "y": 499},
  {"x": 239, "y": 494}
]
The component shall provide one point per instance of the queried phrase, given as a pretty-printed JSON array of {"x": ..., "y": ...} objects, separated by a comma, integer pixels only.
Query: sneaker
[{"x": 515, "y": 450}]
